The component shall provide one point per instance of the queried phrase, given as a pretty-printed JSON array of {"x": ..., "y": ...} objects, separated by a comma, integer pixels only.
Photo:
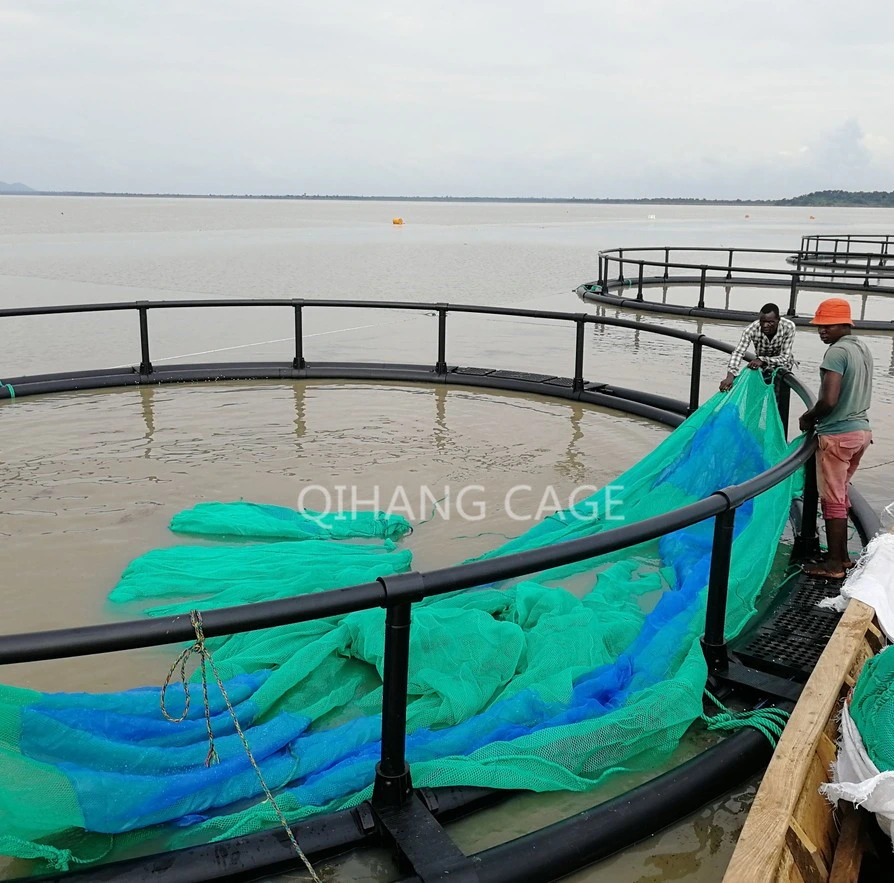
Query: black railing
[
  {"x": 623, "y": 269},
  {"x": 864, "y": 270},
  {"x": 398, "y": 593}
]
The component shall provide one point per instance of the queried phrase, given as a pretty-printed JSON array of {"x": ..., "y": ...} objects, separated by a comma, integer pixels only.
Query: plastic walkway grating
[{"x": 789, "y": 642}]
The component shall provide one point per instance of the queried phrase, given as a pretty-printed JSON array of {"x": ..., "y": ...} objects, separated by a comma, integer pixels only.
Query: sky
[{"x": 567, "y": 98}]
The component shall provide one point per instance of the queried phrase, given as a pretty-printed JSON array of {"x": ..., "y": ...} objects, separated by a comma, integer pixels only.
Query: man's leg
[{"x": 832, "y": 461}]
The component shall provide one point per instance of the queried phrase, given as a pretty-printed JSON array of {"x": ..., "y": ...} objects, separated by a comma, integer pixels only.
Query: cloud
[{"x": 579, "y": 98}]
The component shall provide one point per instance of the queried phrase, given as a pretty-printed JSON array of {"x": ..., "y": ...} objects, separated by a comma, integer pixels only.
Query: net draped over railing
[{"x": 520, "y": 685}]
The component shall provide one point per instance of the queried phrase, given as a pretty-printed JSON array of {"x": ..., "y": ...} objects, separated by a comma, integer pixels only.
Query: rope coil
[
  {"x": 769, "y": 721},
  {"x": 205, "y": 662}
]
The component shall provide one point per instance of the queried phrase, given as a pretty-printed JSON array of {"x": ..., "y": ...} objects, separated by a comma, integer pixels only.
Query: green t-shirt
[{"x": 850, "y": 358}]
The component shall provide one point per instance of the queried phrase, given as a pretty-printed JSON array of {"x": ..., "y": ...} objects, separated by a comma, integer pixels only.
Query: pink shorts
[{"x": 837, "y": 459}]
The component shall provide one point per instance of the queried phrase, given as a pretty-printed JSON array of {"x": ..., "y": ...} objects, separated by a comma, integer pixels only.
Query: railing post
[
  {"x": 601, "y": 280},
  {"x": 145, "y": 361},
  {"x": 701, "y": 290},
  {"x": 793, "y": 296},
  {"x": 298, "y": 363},
  {"x": 441, "y": 366},
  {"x": 577, "y": 383},
  {"x": 729, "y": 266},
  {"x": 667, "y": 252},
  {"x": 393, "y": 785},
  {"x": 806, "y": 543},
  {"x": 714, "y": 640},
  {"x": 639, "y": 286},
  {"x": 783, "y": 402},
  {"x": 695, "y": 374},
  {"x": 620, "y": 265}
]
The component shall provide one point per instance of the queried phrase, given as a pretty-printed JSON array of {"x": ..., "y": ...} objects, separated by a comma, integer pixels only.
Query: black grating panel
[
  {"x": 477, "y": 372},
  {"x": 790, "y": 642},
  {"x": 523, "y": 375}
]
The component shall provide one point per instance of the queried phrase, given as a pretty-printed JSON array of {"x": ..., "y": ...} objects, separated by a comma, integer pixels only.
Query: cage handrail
[
  {"x": 676, "y": 265},
  {"x": 107, "y": 637}
]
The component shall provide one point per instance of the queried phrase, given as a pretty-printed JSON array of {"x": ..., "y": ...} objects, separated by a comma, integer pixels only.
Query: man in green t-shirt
[{"x": 842, "y": 426}]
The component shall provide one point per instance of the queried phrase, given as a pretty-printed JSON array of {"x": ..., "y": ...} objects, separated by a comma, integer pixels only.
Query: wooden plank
[
  {"x": 758, "y": 852},
  {"x": 849, "y": 854},
  {"x": 807, "y": 857},
  {"x": 813, "y": 812}
]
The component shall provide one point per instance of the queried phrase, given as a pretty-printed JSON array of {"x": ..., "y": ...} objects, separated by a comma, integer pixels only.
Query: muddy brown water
[{"x": 91, "y": 479}]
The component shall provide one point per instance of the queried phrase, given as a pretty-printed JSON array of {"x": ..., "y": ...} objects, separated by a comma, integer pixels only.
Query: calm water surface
[{"x": 92, "y": 479}]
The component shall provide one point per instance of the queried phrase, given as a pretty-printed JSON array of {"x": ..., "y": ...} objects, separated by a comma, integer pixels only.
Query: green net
[
  {"x": 872, "y": 708},
  {"x": 523, "y": 685},
  {"x": 244, "y": 519}
]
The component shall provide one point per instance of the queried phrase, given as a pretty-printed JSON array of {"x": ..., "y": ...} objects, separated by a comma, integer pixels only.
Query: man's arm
[
  {"x": 732, "y": 369},
  {"x": 828, "y": 399}
]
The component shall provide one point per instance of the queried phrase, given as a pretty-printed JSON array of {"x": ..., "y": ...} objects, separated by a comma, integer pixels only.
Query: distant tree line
[
  {"x": 818, "y": 198},
  {"x": 866, "y": 198}
]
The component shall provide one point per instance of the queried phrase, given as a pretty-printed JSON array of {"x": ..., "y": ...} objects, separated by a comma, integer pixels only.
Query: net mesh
[
  {"x": 872, "y": 708},
  {"x": 521, "y": 685}
]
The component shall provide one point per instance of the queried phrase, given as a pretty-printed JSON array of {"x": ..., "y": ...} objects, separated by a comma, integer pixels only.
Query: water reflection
[
  {"x": 147, "y": 396},
  {"x": 574, "y": 465},
  {"x": 299, "y": 393},
  {"x": 440, "y": 431}
]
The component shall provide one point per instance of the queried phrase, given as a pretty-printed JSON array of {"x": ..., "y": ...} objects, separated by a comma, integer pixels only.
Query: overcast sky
[{"x": 586, "y": 98}]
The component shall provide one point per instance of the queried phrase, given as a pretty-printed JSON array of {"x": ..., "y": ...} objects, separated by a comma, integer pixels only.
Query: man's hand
[
  {"x": 727, "y": 383},
  {"x": 807, "y": 421},
  {"x": 756, "y": 363}
]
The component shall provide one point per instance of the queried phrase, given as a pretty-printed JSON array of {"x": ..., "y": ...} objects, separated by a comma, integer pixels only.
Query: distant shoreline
[{"x": 818, "y": 199}]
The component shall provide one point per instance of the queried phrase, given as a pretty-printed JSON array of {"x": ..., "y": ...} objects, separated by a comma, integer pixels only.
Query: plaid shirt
[{"x": 775, "y": 351}]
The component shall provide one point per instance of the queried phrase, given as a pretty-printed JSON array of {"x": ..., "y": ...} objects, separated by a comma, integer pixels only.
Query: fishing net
[
  {"x": 258, "y": 520},
  {"x": 553, "y": 682},
  {"x": 872, "y": 708}
]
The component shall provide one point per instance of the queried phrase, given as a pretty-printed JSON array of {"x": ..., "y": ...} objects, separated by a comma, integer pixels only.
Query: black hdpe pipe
[
  {"x": 567, "y": 846},
  {"x": 257, "y": 856}
]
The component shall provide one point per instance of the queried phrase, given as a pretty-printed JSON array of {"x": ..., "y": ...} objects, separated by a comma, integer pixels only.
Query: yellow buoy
[{"x": 397, "y": 221}]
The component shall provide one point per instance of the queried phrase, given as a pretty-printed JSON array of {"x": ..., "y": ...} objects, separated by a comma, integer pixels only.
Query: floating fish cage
[
  {"x": 850, "y": 265},
  {"x": 709, "y": 538}
]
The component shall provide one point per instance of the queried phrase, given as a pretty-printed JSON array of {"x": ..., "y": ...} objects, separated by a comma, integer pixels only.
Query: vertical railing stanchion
[
  {"x": 601, "y": 280},
  {"x": 806, "y": 543},
  {"x": 639, "y": 284},
  {"x": 783, "y": 400},
  {"x": 577, "y": 384},
  {"x": 667, "y": 252},
  {"x": 621, "y": 265},
  {"x": 701, "y": 289},
  {"x": 298, "y": 363},
  {"x": 695, "y": 375},
  {"x": 393, "y": 785},
  {"x": 729, "y": 266},
  {"x": 714, "y": 640},
  {"x": 145, "y": 361},
  {"x": 793, "y": 296},
  {"x": 441, "y": 366}
]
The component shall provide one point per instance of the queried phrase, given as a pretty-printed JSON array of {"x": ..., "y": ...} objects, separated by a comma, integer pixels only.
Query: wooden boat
[{"x": 792, "y": 833}]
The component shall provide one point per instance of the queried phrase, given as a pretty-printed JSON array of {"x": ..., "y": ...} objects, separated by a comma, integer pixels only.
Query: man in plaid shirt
[{"x": 771, "y": 337}]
